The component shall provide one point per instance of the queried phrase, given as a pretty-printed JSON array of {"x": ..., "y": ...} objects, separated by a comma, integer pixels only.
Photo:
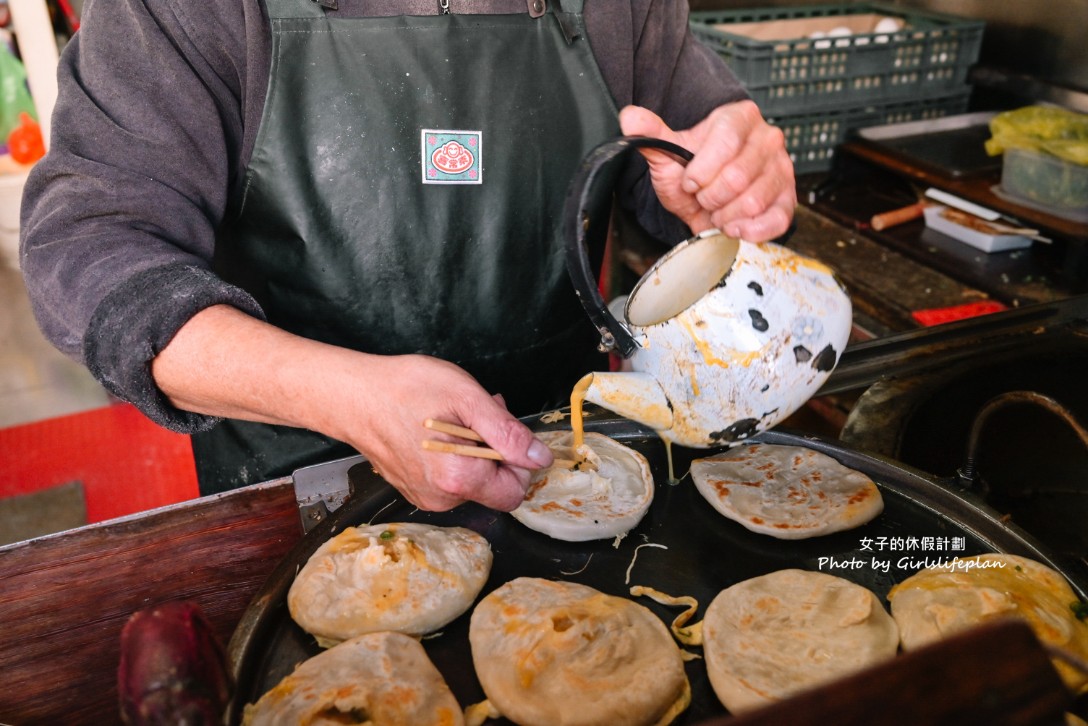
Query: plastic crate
[
  {"x": 811, "y": 138},
  {"x": 929, "y": 57}
]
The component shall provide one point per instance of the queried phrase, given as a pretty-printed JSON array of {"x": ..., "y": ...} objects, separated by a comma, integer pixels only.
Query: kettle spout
[{"x": 633, "y": 395}]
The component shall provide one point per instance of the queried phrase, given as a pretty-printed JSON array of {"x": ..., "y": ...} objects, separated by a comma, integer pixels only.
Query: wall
[{"x": 1040, "y": 38}]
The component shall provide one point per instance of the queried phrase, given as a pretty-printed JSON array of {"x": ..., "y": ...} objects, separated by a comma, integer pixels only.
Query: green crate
[
  {"x": 928, "y": 58},
  {"x": 812, "y": 138}
]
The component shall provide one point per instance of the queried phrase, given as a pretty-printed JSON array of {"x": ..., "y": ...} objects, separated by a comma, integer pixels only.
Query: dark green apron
[{"x": 404, "y": 196}]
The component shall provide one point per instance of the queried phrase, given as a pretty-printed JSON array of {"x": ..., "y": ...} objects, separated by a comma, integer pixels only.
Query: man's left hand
[{"x": 741, "y": 180}]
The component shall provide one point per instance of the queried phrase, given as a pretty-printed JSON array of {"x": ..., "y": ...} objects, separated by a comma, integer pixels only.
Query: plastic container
[
  {"x": 811, "y": 138},
  {"x": 835, "y": 57},
  {"x": 1046, "y": 181}
]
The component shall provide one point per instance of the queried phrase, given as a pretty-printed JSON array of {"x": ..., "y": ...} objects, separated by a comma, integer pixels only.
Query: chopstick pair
[{"x": 480, "y": 452}]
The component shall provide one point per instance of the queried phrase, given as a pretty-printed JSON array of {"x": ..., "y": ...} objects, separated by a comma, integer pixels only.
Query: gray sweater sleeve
[
  {"x": 118, "y": 220},
  {"x": 158, "y": 108}
]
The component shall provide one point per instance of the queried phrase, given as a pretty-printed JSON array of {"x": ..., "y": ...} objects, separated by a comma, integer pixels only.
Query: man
[{"x": 325, "y": 222}]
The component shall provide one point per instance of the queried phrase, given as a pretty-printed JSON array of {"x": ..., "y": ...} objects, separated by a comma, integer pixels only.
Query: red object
[
  {"x": 71, "y": 17},
  {"x": 937, "y": 316},
  {"x": 173, "y": 669},
  {"x": 25, "y": 143},
  {"x": 126, "y": 463}
]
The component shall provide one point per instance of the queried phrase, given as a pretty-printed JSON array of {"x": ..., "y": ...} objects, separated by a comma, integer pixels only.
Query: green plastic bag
[{"x": 14, "y": 95}]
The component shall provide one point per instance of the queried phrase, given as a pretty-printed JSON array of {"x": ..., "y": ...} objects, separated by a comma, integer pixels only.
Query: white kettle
[{"x": 726, "y": 338}]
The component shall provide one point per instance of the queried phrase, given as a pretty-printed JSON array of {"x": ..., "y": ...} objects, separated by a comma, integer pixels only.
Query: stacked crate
[{"x": 819, "y": 85}]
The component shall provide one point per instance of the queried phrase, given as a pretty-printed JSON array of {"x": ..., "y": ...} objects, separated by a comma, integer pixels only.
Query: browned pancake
[{"x": 789, "y": 492}]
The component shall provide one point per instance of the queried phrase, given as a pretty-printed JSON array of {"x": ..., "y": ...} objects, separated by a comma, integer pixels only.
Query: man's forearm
[
  {"x": 229, "y": 364},
  {"x": 223, "y": 362}
]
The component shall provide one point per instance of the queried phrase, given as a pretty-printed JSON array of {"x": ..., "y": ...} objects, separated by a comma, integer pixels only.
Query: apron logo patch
[{"x": 451, "y": 157}]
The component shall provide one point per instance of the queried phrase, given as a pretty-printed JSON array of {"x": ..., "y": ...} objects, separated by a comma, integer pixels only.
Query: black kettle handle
[{"x": 576, "y": 225}]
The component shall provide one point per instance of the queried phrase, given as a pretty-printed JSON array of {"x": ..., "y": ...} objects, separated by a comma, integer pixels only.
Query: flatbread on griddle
[
  {"x": 407, "y": 577},
  {"x": 562, "y": 653},
  {"x": 940, "y": 601},
  {"x": 769, "y": 637},
  {"x": 605, "y": 496},
  {"x": 788, "y": 492},
  {"x": 381, "y": 679}
]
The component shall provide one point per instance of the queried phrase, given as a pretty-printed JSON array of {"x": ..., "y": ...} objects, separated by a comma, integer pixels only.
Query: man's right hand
[
  {"x": 226, "y": 363},
  {"x": 414, "y": 388}
]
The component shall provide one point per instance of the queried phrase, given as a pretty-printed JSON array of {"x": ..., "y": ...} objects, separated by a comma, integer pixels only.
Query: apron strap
[{"x": 567, "y": 13}]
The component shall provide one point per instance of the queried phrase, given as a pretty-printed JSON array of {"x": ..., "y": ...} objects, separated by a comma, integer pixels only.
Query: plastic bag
[
  {"x": 14, "y": 95},
  {"x": 1047, "y": 129}
]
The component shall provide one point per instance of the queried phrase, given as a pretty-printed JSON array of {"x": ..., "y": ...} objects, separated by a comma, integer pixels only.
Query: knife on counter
[{"x": 891, "y": 218}]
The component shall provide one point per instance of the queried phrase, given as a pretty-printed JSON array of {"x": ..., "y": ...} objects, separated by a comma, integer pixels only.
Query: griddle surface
[{"x": 704, "y": 553}]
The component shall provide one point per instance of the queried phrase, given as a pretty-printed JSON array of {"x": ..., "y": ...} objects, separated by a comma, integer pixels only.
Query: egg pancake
[
  {"x": 788, "y": 492},
  {"x": 769, "y": 637},
  {"x": 563, "y": 654},
  {"x": 939, "y": 601},
  {"x": 406, "y": 577},
  {"x": 380, "y": 679},
  {"x": 606, "y": 495}
]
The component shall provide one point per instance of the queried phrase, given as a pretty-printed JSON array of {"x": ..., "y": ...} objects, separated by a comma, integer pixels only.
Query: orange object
[
  {"x": 895, "y": 217},
  {"x": 25, "y": 142},
  {"x": 936, "y": 316}
]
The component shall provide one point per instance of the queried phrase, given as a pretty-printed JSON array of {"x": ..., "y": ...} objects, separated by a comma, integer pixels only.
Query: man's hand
[
  {"x": 740, "y": 181},
  {"x": 226, "y": 363},
  {"x": 387, "y": 426}
]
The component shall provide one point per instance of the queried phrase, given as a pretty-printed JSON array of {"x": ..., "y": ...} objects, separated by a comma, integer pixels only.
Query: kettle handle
[{"x": 576, "y": 225}]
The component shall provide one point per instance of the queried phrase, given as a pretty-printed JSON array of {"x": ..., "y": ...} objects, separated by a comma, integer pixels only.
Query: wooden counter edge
[{"x": 65, "y": 597}]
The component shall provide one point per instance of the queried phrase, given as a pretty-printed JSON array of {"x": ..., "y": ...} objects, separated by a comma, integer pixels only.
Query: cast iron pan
[{"x": 705, "y": 554}]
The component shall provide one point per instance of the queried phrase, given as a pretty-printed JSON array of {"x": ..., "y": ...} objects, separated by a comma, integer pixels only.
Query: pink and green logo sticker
[{"x": 452, "y": 157}]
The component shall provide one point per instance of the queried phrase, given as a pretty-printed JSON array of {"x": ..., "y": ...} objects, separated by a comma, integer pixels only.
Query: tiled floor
[
  {"x": 37, "y": 383},
  {"x": 36, "y": 380},
  {"x": 69, "y": 453}
]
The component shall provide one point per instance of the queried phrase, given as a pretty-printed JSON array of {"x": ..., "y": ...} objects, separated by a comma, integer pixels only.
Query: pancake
[
  {"x": 380, "y": 679},
  {"x": 788, "y": 492},
  {"x": 405, "y": 577},
  {"x": 939, "y": 601},
  {"x": 549, "y": 653},
  {"x": 604, "y": 496},
  {"x": 769, "y": 637}
]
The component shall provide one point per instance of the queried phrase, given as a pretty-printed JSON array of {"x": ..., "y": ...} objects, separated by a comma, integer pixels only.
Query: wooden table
[{"x": 64, "y": 598}]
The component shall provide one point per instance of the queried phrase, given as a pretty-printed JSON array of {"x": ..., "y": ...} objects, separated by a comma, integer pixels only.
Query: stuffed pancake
[
  {"x": 559, "y": 653},
  {"x": 380, "y": 679},
  {"x": 942, "y": 600},
  {"x": 769, "y": 637},
  {"x": 406, "y": 577},
  {"x": 605, "y": 495}
]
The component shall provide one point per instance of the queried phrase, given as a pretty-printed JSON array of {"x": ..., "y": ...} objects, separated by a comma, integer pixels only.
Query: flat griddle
[{"x": 705, "y": 553}]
